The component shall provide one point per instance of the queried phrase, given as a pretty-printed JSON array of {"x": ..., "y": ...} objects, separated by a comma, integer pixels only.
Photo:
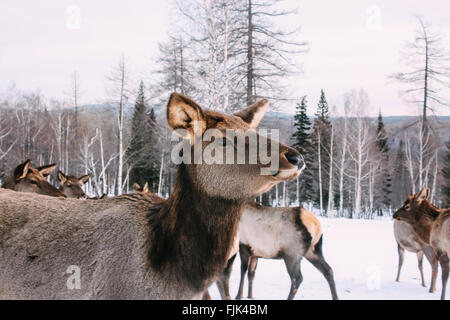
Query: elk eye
[{"x": 33, "y": 182}]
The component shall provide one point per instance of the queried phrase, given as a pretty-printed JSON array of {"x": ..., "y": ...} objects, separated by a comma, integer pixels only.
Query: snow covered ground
[{"x": 363, "y": 255}]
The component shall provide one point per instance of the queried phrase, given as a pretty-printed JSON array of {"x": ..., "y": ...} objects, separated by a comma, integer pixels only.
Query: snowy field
[{"x": 363, "y": 255}]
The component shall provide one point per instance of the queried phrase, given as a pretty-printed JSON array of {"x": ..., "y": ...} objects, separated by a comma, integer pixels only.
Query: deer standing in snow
[
  {"x": 408, "y": 240},
  {"x": 288, "y": 233},
  {"x": 433, "y": 227}
]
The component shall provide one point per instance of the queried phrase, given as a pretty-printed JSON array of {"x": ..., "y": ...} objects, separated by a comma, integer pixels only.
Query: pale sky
[{"x": 353, "y": 44}]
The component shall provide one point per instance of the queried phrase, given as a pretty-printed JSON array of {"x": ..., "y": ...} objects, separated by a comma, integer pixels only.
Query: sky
[{"x": 353, "y": 44}]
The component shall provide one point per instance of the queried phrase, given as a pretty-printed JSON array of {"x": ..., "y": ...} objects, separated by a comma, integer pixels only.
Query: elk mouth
[{"x": 287, "y": 174}]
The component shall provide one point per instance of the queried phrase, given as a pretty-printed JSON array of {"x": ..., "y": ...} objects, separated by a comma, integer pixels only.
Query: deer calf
[
  {"x": 25, "y": 178},
  {"x": 278, "y": 233},
  {"x": 433, "y": 227},
  {"x": 71, "y": 186}
]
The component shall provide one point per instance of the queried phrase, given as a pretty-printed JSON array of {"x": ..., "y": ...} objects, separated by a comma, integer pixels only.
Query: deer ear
[
  {"x": 185, "y": 116},
  {"x": 136, "y": 186},
  {"x": 145, "y": 188},
  {"x": 253, "y": 114},
  {"x": 46, "y": 170},
  {"x": 61, "y": 177},
  {"x": 85, "y": 178},
  {"x": 21, "y": 170},
  {"x": 422, "y": 195}
]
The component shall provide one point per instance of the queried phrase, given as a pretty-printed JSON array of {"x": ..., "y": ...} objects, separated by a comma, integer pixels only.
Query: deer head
[
  {"x": 138, "y": 188},
  {"x": 24, "y": 178},
  {"x": 72, "y": 186},
  {"x": 414, "y": 207},
  {"x": 235, "y": 179}
]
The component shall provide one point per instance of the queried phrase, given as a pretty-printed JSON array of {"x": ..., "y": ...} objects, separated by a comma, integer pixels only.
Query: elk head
[
  {"x": 413, "y": 208},
  {"x": 229, "y": 177},
  {"x": 24, "y": 178},
  {"x": 138, "y": 188},
  {"x": 72, "y": 186}
]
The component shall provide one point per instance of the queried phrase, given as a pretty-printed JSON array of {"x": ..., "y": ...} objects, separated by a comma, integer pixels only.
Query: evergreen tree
[
  {"x": 400, "y": 184},
  {"x": 302, "y": 142},
  {"x": 386, "y": 181},
  {"x": 321, "y": 134},
  {"x": 152, "y": 151},
  {"x": 136, "y": 151}
]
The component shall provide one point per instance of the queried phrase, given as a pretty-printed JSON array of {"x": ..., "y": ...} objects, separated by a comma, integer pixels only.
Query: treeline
[{"x": 357, "y": 168}]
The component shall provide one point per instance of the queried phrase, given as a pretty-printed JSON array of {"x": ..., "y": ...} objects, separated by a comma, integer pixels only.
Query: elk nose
[{"x": 295, "y": 158}]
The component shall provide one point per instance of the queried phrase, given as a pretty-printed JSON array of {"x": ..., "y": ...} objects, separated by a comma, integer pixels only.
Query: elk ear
[
  {"x": 136, "y": 187},
  {"x": 145, "y": 188},
  {"x": 61, "y": 177},
  {"x": 85, "y": 178},
  {"x": 46, "y": 170},
  {"x": 253, "y": 114},
  {"x": 21, "y": 170},
  {"x": 422, "y": 195},
  {"x": 183, "y": 113}
]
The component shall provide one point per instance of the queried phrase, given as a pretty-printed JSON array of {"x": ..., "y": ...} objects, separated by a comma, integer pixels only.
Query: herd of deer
[{"x": 141, "y": 246}]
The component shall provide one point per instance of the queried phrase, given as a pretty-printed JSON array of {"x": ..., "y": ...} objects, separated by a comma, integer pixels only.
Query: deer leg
[
  {"x": 317, "y": 259},
  {"x": 429, "y": 254},
  {"x": 293, "y": 269},
  {"x": 206, "y": 295},
  {"x": 443, "y": 260},
  {"x": 223, "y": 284},
  {"x": 251, "y": 275},
  {"x": 244, "y": 254},
  {"x": 420, "y": 265},
  {"x": 401, "y": 254},
  {"x": 434, "y": 273}
]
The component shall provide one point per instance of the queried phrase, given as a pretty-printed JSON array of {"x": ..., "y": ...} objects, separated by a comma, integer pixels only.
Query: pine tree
[
  {"x": 386, "y": 182},
  {"x": 135, "y": 152},
  {"x": 152, "y": 151},
  {"x": 302, "y": 142},
  {"x": 321, "y": 136},
  {"x": 400, "y": 184}
]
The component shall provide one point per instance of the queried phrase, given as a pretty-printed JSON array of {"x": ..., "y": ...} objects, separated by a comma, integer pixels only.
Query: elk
[
  {"x": 71, "y": 186},
  {"x": 288, "y": 233},
  {"x": 433, "y": 228},
  {"x": 138, "y": 188},
  {"x": 139, "y": 245},
  {"x": 25, "y": 178},
  {"x": 408, "y": 240}
]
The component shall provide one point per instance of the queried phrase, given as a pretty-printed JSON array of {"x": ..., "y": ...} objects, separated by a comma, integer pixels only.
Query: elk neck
[
  {"x": 192, "y": 233},
  {"x": 424, "y": 224}
]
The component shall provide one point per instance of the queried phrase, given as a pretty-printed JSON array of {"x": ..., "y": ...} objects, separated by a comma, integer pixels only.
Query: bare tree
[
  {"x": 428, "y": 70},
  {"x": 119, "y": 79}
]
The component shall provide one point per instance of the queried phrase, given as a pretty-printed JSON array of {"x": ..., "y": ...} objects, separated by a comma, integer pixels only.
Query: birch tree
[{"x": 119, "y": 79}]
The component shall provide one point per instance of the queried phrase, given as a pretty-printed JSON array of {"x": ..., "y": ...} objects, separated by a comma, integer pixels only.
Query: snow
[{"x": 363, "y": 255}]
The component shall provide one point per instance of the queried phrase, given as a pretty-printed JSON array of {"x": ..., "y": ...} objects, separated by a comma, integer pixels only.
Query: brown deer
[
  {"x": 71, "y": 186},
  {"x": 408, "y": 240},
  {"x": 288, "y": 233},
  {"x": 433, "y": 227},
  {"x": 139, "y": 246},
  {"x": 138, "y": 188},
  {"x": 25, "y": 178}
]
